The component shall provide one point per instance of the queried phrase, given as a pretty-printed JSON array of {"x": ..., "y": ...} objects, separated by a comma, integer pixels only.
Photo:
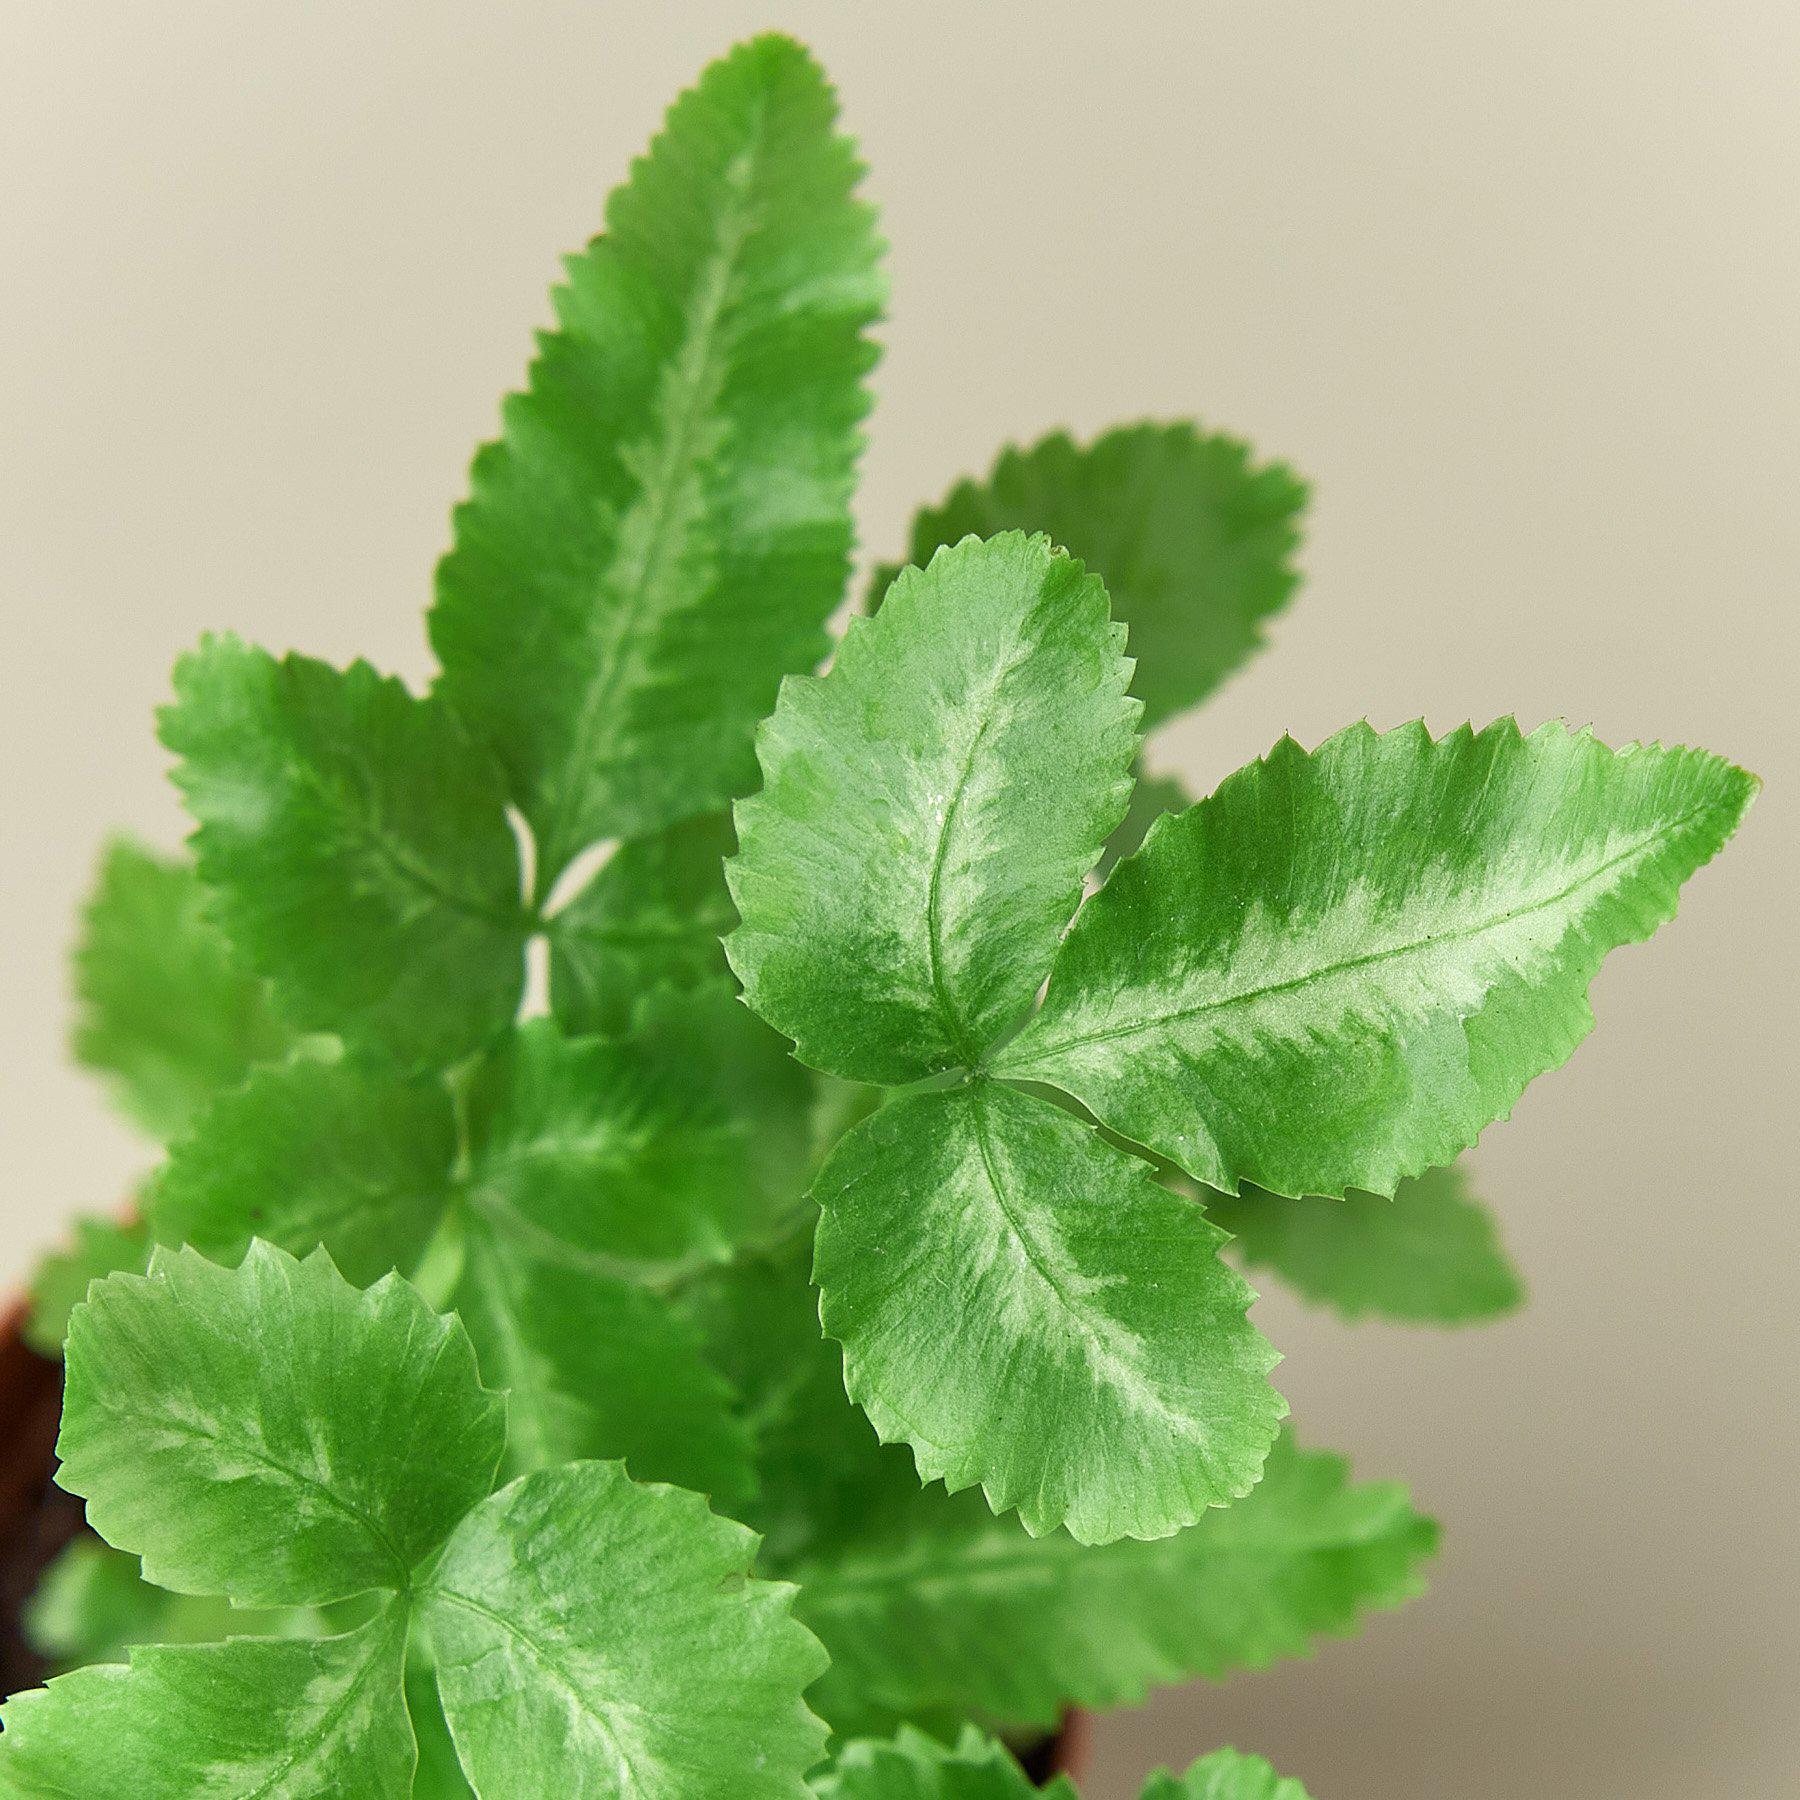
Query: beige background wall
[{"x": 1515, "y": 283}]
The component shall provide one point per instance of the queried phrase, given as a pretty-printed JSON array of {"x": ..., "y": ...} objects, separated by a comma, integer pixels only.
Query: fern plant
[{"x": 455, "y": 1415}]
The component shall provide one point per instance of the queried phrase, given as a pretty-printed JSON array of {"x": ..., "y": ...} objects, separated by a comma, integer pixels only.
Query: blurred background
[{"x": 1515, "y": 285}]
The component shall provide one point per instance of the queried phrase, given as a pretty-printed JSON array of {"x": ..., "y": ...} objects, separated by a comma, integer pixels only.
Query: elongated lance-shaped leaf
[
  {"x": 1027, "y": 1309},
  {"x": 1225, "y": 1775},
  {"x": 1343, "y": 966},
  {"x": 595, "y": 1637},
  {"x": 651, "y": 917},
  {"x": 250, "y": 1717},
  {"x": 200, "y": 1425},
  {"x": 60, "y": 1282},
  {"x": 162, "y": 1007},
  {"x": 596, "y": 1366},
  {"x": 352, "y": 1155},
  {"x": 1193, "y": 539},
  {"x": 664, "y": 528},
  {"x": 356, "y": 847},
  {"x": 913, "y": 1766},
  {"x": 939, "y": 1610},
  {"x": 929, "y": 810},
  {"x": 1431, "y": 1255}
]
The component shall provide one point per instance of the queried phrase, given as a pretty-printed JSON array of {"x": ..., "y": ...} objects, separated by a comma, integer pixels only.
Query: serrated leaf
[
  {"x": 352, "y": 1155},
  {"x": 1431, "y": 1254},
  {"x": 1026, "y": 1308},
  {"x": 202, "y": 1424},
  {"x": 1344, "y": 965},
  {"x": 934, "y": 1609},
  {"x": 612, "y": 1155},
  {"x": 600, "y": 1164},
  {"x": 1225, "y": 1775},
  {"x": 837, "y": 1105},
  {"x": 1193, "y": 540},
  {"x": 595, "y": 1637},
  {"x": 739, "y": 1074},
  {"x": 915, "y": 1767},
  {"x": 1153, "y": 796},
  {"x": 664, "y": 527},
  {"x": 161, "y": 1006},
  {"x": 928, "y": 812},
  {"x": 941, "y": 1610},
  {"x": 651, "y": 917},
  {"x": 253, "y": 1717},
  {"x": 356, "y": 847},
  {"x": 92, "y": 1604},
  {"x": 822, "y": 1475},
  {"x": 598, "y": 1367},
  {"x": 60, "y": 1282}
]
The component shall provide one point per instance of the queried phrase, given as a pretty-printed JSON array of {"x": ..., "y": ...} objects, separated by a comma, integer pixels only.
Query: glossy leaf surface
[
  {"x": 663, "y": 528},
  {"x": 280, "y": 1718},
  {"x": 1153, "y": 796},
  {"x": 594, "y": 1366},
  {"x": 599, "y": 1638},
  {"x": 822, "y": 1475},
  {"x": 913, "y": 1766},
  {"x": 1028, "y": 1310},
  {"x": 937, "y": 1610},
  {"x": 1345, "y": 964},
  {"x": 612, "y": 1155},
  {"x": 355, "y": 845},
  {"x": 352, "y": 1155},
  {"x": 200, "y": 1425},
  {"x": 932, "y": 1608},
  {"x": 651, "y": 917},
  {"x": 928, "y": 812}
]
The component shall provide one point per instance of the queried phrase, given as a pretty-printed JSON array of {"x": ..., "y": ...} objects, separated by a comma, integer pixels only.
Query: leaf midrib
[
  {"x": 328, "y": 1724},
  {"x": 957, "y": 1033},
  {"x": 367, "y": 827},
  {"x": 1039, "y": 1054},
  {"x": 419, "y": 875},
  {"x": 547, "y": 1659},
  {"x": 189, "y": 1427},
  {"x": 1126, "y": 1379},
  {"x": 645, "y": 933},
  {"x": 954, "y": 1028},
  {"x": 692, "y": 400},
  {"x": 346, "y": 1196},
  {"x": 514, "y": 1228}
]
